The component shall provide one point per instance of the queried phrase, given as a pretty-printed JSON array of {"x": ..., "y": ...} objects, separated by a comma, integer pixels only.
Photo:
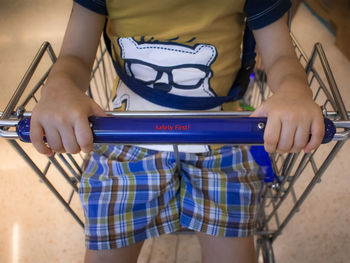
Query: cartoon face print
[{"x": 172, "y": 67}]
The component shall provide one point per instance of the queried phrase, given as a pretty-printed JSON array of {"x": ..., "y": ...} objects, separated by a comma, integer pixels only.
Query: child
[{"x": 185, "y": 50}]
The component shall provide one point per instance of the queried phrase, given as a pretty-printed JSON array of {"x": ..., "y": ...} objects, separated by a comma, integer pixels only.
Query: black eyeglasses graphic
[{"x": 184, "y": 76}]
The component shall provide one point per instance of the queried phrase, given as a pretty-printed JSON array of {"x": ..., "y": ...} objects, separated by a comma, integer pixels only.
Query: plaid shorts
[{"x": 130, "y": 194}]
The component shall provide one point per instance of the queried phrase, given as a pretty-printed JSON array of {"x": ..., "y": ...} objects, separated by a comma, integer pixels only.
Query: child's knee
[
  {"x": 226, "y": 249},
  {"x": 125, "y": 254}
]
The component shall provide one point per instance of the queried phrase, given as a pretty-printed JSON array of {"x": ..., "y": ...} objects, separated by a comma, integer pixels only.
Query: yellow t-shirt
[{"x": 186, "y": 48}]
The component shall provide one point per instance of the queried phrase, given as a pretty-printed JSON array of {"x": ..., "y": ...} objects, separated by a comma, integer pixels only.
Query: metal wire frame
[
  {"x": 290, "y": 167},
  {"x": 287, "y": 167},
  {"x": 67, "y": 165}
]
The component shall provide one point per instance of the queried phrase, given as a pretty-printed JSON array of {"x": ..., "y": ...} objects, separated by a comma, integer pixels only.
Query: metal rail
[
  {"x": 27, "y": 77},
  {"x": 7, "y": 123}
]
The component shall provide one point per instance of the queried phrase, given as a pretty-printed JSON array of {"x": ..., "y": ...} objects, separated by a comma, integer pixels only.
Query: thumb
[{"x": 97, "y": 110}]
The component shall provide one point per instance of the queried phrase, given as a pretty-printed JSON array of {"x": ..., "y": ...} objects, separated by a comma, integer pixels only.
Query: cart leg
[{"x": 264, "y": 248}]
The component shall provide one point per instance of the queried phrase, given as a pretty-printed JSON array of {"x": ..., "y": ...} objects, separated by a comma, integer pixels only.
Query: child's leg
[
  {"x": 220, "y": 195},
  {"x": 128, "y": 194},
  {"x": 126, "y": 254},
  {"x": 226, "y": 249}
]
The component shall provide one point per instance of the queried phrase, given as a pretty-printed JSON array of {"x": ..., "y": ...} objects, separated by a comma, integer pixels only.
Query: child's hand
[
  {"x": 62, "y": 117},
  {"x": 292, "y": 117},
  {"x": 292, "y": 114}
]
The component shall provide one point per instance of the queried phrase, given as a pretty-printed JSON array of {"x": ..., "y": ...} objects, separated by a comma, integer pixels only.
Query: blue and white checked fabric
[{"x": 130, "y": 194}]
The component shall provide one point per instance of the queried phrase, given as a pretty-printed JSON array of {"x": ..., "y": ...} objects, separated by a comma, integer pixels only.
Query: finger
[
  {"x": 97, "y": 110},
  {"x": 272, "y": 134},
  {"x": 69, "y": 141},
  {"x": 36, "y": 137},
  {"x": 317, "y": 134},
  {"x": 286, "y": 139},
  {"x": 301, "y": 138},
  {"x": 83, "y": 133},
  {"x": 54, "y": 140},
  {"x": 259, "y": 112}
]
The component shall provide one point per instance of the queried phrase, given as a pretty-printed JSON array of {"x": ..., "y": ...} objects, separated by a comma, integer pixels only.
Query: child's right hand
[
  {"x": 62, "y": 117},
  {"x": 63, "y": 110}
]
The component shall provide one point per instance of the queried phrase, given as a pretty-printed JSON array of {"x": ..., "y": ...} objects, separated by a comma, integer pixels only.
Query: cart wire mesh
[{"x": 280, "y": 199}]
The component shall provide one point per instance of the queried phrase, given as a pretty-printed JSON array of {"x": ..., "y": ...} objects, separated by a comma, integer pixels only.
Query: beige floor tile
[
  {"x": 25, "y": 25},
  {"x": 34, "y": 226},
  {"x": 308, "y": 31},
  {"x": 320, "y": 231}
]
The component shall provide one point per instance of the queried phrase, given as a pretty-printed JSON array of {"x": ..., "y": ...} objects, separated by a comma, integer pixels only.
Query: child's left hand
[
  {"x": 292, "y": 117},
  {"x": 292, "y": 114}
]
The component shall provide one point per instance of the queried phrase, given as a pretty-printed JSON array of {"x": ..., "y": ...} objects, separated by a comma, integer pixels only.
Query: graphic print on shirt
[{"x": 172, "y": 67}]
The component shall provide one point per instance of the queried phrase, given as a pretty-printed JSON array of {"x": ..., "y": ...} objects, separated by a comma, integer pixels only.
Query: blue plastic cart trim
[{"x": 176, "y": 130}]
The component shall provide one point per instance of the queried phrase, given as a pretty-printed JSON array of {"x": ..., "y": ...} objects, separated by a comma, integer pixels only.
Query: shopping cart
[{"x": 279, "y": 188}]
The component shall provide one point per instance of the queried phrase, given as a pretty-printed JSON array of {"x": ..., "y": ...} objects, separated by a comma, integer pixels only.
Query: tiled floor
[{"x": 34, "y": 227}]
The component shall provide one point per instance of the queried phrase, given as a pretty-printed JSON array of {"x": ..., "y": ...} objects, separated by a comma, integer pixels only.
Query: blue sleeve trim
[
  {"x": 97, "y": 6},
  {"x": 261, "y": 13}
]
